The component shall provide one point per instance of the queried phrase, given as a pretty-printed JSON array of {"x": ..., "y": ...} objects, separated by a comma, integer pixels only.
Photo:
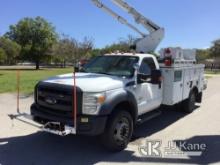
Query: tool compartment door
[
  {"x": 178, "y": 86},
  {"x": 193, "y": 77},
  {"x": 172, "y": 85}
]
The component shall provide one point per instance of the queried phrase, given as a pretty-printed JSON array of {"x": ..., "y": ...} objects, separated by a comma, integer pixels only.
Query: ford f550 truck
[{"x": 114, "y": 92}]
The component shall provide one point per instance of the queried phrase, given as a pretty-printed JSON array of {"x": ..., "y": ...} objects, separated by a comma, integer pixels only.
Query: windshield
[{"x": 112, "y": 65}]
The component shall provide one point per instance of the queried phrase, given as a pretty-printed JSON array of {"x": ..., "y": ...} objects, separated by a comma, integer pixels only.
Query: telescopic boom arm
[
  {"x": 139, "y": 19},
  {"x": 148, "y": 42},
  {"x": 116, "y": 16}
]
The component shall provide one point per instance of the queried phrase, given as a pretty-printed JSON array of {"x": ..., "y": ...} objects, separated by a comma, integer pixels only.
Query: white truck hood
[{"x": 90, "y": 82}]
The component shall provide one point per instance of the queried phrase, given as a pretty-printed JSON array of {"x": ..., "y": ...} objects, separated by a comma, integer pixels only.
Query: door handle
[{"x": 181, "y": 85}]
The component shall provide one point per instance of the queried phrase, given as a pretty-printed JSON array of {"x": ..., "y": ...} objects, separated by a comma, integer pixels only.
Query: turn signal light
[{"x": 101, "y": 99}]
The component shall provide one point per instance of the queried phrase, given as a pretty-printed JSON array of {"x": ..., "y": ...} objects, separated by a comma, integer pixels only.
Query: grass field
[
  {"x": 28, "y": 79},
  {"x": 212, "y": 72}
]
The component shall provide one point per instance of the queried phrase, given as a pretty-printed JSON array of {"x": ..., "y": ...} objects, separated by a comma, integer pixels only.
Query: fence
[{"x": 212, "y": 66}]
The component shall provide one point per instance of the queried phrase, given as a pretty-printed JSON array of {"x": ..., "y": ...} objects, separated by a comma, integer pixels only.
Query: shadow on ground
[
  {"x": 43, "y": 148},
  {"x": 168, "y": 116}
]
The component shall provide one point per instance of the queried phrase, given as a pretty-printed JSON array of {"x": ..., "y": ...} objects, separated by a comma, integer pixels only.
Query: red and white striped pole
[{"x": 18, "y": 90}]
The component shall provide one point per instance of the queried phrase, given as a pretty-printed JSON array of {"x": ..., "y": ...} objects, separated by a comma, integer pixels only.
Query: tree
[
  {"x": 2, "y": 56},
  {"x": 35, "y": 35},
  {"x": 84, "y": 48},
  {"x": 65, "y": 49},
  {"x": 11, "y": 49},
  {"x": 95, "y": 52},
  {"x": 69, "y": 49},
  {"x": 215, "y": 49},
  {"x": 202, "y": 54},
  {"x": 123, "y": 45}
]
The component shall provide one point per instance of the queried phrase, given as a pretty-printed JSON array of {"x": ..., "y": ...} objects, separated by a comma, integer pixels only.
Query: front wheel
[{"x": 118, "y": 131}]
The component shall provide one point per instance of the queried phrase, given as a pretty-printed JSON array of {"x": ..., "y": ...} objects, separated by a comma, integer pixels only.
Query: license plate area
[{"x": 58, "y": 128}]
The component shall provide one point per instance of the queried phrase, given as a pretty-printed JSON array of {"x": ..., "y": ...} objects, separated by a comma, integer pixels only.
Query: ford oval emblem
[{"x": 50, "y": 100}]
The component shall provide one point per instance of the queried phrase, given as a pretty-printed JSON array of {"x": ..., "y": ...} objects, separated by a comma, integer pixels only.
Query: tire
[
  {"x": 118, "y": 131},
  {"x": 189, "y": 104}
]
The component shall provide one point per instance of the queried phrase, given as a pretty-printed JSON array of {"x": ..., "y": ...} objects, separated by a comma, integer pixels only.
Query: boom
[
  {"x": 116, "y": 16},
  {"x": 139, "y": 19},
  {"x": 148, "y": 42}
]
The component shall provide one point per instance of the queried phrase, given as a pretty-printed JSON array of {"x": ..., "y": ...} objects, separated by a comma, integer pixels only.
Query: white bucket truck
[{"x": 114, "y": 92}]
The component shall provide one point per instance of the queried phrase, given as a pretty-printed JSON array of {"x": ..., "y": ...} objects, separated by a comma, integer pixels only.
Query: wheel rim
[{"x": 121, "y": 131}]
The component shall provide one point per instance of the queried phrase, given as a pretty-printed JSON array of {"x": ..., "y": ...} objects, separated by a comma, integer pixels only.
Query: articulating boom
[{"x": 148, "y": 42}]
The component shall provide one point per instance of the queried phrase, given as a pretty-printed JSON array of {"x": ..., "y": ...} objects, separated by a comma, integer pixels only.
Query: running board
[
  {"x": 51, "y": 127},
  {"x": 148, "y": 116}
]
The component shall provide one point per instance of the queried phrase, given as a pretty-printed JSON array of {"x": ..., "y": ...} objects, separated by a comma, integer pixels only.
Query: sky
[{"x": 187, "y": 23}]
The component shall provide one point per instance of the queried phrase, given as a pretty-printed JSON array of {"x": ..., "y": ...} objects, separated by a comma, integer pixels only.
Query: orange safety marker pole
[
  {"x": 18, "y": 90},
  {"x": 75, "y": 100}
]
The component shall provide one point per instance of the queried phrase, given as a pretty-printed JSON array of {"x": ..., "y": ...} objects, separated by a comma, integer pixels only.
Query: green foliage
[
  {"x": 35, "y": 35},
  {"x": 203, "y": 54},
  {"x": 124, "y": 45},
  {"x": 35, "y": 39},
  {"x": 11, "y": 49},
  {"x": 215, "y": 49},
  {"x": 65, "y": 49},
  {"x": 95, "y": 52},
  {"x": 84, "y": 48},
  {"x": 213, "y": 52},
  {"x": 69, "y": 50},
  {"x": 2, "y": 56}
]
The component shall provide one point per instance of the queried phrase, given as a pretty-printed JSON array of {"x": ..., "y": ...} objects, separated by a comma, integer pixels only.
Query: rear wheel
[
  {"x": 189, "y": 104},
  {"x": 118, "y": 131}
]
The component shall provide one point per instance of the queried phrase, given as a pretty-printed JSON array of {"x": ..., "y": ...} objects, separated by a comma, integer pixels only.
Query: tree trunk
[{"x": 37, "y": 65}]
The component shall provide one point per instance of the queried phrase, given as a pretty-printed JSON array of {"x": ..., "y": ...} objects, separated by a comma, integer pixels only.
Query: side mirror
[
  {"x": 142, "y": 78},
  {"x": 156, "y": 76}
]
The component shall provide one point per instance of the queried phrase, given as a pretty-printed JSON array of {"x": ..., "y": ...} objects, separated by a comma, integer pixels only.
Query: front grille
[{"x": 57, "y": 99}]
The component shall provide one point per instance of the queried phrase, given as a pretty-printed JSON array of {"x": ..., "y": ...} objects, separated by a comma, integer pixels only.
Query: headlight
[{"x": 92, "y": 102}]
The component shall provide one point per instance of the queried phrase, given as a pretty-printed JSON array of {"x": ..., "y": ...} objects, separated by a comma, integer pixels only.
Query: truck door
[{"x": 149, "y": 96}]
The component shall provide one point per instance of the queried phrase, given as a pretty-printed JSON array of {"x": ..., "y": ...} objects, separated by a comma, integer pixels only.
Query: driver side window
[{"x": 147, "y": 66}]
